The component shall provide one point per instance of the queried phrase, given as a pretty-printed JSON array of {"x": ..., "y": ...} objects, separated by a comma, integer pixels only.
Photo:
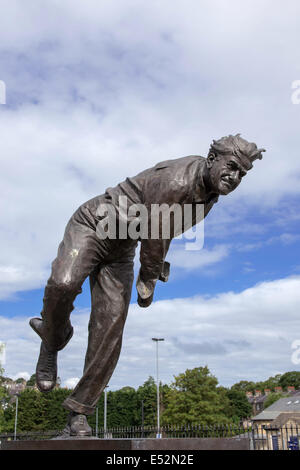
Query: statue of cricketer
[{"x": 109, "y": 264}]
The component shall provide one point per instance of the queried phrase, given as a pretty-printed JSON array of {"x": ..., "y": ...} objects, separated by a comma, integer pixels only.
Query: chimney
[
  {"x": 267, "y": 391},
  {"x": 257, "y": 393},
  {"x": 278, "y": 389},
  {"x": 291, "y": 389}
]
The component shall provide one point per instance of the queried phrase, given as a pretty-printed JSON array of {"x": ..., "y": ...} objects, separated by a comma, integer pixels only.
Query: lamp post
[
  {"x": 97, "y": 421},
  {"x": 105, "y": 411},
  {"x": 16, "y": 416},
  {"x": 142, "y": 418},
  {"x": 158, "y": 435}
]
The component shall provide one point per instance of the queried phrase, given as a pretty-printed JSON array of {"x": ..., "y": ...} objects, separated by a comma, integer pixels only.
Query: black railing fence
[
  {"x": 171, "y": 431},
  {"x": 261, "y": 437}
]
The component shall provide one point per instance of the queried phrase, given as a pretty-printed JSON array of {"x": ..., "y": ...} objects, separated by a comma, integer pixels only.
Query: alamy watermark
[
  {"x": 295, "y": 98},
  {"x": 295, "y": 358},
  {"x": 2, "y": 92},
  {"x": 125, "y": 220}
]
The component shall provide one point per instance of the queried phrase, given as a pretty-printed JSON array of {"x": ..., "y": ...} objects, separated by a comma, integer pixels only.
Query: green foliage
[
  {"x": 244, "y": 386},
  {"x": 122, "y": 409},
  {"x": 5, "y": 379},
  {"x": 147, "y": 393},
  {"x": 37, "y": 411},
  {"x": 31, "y": 381},
  {"x": 239, "y": 407},
  {"x": 290, "y": 379},
  {"x": 195, "y": 398},
  {"x": 4, "y": 399},
  {"x": 270, "y": 383},
  {"x": 20, "y": 380},
  {"x": 280, "y": 380}
]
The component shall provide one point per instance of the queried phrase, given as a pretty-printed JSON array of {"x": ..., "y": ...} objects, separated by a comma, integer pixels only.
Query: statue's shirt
[{"x": 176, "y": 181}]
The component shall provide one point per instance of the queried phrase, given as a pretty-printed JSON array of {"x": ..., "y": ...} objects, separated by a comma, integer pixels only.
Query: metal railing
[
  {"x": 171, "y": 431},
  {"x": 261, "y": 437}
]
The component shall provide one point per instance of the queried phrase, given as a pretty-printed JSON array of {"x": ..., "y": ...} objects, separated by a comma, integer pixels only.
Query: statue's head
[{"x": 228, "y": 161}]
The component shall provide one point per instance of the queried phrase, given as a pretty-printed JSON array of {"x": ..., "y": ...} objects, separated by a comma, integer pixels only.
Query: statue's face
[{"x": 225, "y": 173}]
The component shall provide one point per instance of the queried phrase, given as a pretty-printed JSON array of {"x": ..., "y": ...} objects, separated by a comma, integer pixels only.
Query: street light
[
  {"x": 16, "y": 416},
  {"x": 105, "y": 410},
  {"x": 158, "y": 435},
  {"x": 97, "y": 421},
  {"x": 142, "y": 418}
]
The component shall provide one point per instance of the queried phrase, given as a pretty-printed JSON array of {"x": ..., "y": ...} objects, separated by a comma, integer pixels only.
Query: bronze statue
[{"x": 109, "y": 264}]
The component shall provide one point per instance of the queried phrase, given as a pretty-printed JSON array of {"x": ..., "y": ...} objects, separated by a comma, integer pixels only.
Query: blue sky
[{"x": 97, "y": 92}]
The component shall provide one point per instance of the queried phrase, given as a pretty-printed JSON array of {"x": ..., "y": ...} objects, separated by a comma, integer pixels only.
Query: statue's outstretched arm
[{"x": 153, "y": 268}]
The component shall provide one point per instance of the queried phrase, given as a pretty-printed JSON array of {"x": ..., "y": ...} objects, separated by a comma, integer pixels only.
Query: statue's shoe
[
  {"x": 37, "y": 325},
  {"x": 61, "y": 339},
  {"x": 78, "y": 425},
  {"x": 46, "y": 369}
]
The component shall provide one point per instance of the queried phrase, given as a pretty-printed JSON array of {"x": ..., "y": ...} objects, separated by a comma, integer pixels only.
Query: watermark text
[
  {"x": 2, "y": 92},
  {"x": 155, "y": 221},
  {"x": 296, "y": 93},
  {"x": 295, "y": 358}
]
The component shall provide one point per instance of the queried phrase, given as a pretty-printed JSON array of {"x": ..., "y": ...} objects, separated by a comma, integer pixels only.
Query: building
[
  {"x": 14, "y": 387},
  {"x": 279, "y": 425},
  {"x": 258, "y": 398}
]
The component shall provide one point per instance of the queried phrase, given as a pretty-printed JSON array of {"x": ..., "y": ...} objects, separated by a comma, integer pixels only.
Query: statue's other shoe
[
  {"x": 46, "y": 369},
  {"x": 78, "y": 425}
]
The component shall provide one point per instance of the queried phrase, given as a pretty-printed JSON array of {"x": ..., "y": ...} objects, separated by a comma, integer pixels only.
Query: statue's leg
[
  {"x": 110, "y": 291},
  {"x": 78, "y": 254}
]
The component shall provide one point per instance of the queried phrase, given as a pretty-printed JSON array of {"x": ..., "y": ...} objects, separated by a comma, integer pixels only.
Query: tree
[
  {"x": 148, "y": 394},
  {"x": 195, "y": 398},
  {"x": 122, "y": 407},
  {"x": 31, "y": 381},
  {"x": 4, "y": 401},
  {"x": 244, "y": 386},
  {"x": 37, "y": 411},
  {"x": 20, "y": 380},
  {"x": 4, "y": 396},
  {"x": 55, "y": 414},
  {"x": 290, "y": 379},
  {"x": 270, "y": 383},
  {"x": 239, "y": 407}
]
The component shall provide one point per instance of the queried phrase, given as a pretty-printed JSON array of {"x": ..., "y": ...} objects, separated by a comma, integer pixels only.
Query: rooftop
[{"x": 289, "y": 404}]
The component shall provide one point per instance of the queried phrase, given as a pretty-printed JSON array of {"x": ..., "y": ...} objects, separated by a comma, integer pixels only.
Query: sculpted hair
[{"x": 236, "y": 145}]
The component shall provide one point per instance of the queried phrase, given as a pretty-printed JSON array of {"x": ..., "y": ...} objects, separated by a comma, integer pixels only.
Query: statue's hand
[
  {"x": 165, "y": 272},
  {"x": 145, "y": 292},
  {"x": 145, "y": 302}
]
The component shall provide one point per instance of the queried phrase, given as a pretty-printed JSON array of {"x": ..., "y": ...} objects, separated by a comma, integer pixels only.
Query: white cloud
[
  {"x": 190, "y": 260},
  {"x": 71, "y": 382},
  {"x": 97, "y": 91},
  {"x": 21, "y": 375},
  {"x": 246, "y": 335}
]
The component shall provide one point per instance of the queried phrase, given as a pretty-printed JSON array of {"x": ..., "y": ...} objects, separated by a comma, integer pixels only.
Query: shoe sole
[{"x": 44, "y": 391}]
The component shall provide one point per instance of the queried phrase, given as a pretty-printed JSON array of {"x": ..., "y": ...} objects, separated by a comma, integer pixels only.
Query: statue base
[{"x": 92, "y": 443}]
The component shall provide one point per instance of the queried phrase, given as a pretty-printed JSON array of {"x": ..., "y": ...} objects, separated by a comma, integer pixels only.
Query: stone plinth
[{"x": 130, "y": 444}]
